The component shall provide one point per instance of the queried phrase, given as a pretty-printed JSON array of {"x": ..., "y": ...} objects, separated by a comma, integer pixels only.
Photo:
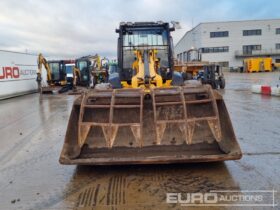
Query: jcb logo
[{"x": 9, "y": 73}]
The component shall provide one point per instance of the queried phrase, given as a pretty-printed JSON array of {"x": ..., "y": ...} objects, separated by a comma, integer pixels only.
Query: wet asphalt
[{"x": 32, "y": 130}]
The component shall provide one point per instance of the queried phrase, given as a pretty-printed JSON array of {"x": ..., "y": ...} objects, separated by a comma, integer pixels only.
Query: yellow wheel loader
[{"x": 149, "y": 114}]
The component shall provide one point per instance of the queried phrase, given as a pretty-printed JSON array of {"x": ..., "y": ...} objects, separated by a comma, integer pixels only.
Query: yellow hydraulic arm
[
  {"x": 43, "y": 61},
  {"x": 96, "y": 61},
  {"x": 138, "y": 66},
  {"x": 152, "y": 68},
  {"x": 76, "y": 75},
  {"x": 146, "y": 72}
]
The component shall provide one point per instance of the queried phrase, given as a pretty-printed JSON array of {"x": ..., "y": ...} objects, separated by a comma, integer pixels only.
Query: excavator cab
[
  {"x": 149, "y": 114},
  {"x": 91, "y": 70},
  {"x": 58, "y": 72},
  {"x": 83, "y": 64}
]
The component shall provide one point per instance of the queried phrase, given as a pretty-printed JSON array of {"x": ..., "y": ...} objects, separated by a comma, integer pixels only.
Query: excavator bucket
[{"x": 168, "y": 125}]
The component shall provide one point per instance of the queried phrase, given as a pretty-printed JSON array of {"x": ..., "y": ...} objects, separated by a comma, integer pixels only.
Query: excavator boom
[{"x": 43, "y": 62}]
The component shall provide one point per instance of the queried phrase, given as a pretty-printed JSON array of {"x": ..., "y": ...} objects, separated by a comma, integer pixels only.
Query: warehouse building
[{"x": 228, "y": 43}]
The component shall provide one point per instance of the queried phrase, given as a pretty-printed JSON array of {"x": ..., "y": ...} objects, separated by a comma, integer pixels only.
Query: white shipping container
[{"x": 18, "y": 72}]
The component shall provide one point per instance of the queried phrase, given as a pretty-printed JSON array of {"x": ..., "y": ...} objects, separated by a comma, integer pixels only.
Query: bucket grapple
[{"x": 125, "y": 126}]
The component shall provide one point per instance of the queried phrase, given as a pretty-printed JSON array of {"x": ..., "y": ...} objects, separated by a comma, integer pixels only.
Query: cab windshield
[
  {"x": 145, "y": 39},
  {"x": 141, "y": 39},
  {"x": 83, "y": 66},
  {"x": 54, "y": 70}
]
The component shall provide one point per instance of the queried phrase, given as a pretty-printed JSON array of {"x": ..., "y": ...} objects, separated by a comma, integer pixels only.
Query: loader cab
[{"x": 144, "y": 36}]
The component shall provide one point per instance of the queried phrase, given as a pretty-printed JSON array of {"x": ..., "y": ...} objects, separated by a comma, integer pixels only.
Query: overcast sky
[{"x": 73, "y": 28}]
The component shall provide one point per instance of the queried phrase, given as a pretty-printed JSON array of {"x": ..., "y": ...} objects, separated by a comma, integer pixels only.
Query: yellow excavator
[
  {"x": 88, "y": 71},
  {"x": 56, "y": 75},
  {"x": 149, "y": 114}
]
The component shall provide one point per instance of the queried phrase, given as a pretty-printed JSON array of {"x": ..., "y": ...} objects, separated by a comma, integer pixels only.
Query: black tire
[
  {"x": 222, "y": 83},
  {"x": 214, "y": 85}
]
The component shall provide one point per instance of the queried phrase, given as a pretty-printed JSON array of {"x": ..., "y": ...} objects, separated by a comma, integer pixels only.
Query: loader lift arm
[{"x": 145, "y": 66}]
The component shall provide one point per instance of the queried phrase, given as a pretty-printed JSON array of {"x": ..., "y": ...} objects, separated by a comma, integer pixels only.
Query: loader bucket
[{"x": 169, "y": 125}]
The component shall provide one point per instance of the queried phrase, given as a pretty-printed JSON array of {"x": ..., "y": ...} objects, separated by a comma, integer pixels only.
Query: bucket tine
[
  {"x": 214, "y": 124},
  {"x": 215, "y": 129},
  {"x": 190, "y": 131},
  {"x": 183, "y": 129},
  {"x": 84, "y": 130},
  {"x": 160, "y": 128},
  {"x": 136, "y": 130},
  {"x": 110, "y": 133},
  {"x": 187, "y": 132}
]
